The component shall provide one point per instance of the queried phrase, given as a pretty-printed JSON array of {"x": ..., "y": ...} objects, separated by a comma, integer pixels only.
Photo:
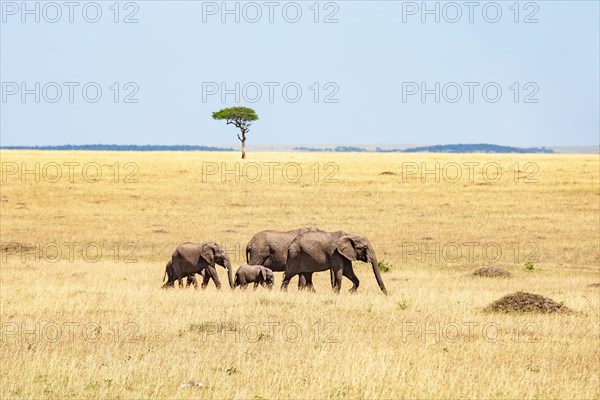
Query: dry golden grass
[{"x": 82, "y": 329}]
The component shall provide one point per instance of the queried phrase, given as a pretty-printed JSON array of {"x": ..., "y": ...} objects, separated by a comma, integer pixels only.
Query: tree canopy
[
  {"x": 236, "y": 114},
  {"x": 240, "y": 117}
]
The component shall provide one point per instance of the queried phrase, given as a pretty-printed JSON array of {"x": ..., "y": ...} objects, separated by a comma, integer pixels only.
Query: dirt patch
[
  {"x": 526, "y": 302},
  {"x": 387, "y": 173},
  {"x": 395, "y": 278},
  {"x": 594, "y": 285},
  {"x": 492, "y": 272},
  {"x": 15, "y": 247}
]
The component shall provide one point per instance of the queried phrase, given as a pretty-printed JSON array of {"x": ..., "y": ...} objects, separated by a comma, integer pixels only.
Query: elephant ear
[
  {"x": 208, "y": 253},
  {"x": 263, "y": 271},
  {"x": 345, "y": 245}
]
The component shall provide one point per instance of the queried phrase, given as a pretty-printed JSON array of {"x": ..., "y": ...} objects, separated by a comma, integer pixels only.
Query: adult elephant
[
  {"x": 270, "y": 249},
  {"x": 335, "y": 235},
  {"x": 319, "y": 251},
  {"x": 193, "y": 258}
]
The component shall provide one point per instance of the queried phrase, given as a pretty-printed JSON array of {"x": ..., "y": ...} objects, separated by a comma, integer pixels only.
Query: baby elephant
[{"x": 254, "y": 273}]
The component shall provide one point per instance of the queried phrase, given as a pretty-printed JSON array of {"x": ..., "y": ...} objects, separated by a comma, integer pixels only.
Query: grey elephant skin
[
  {"x": 320, "y": 251},
  {"x": 257, "y": 274},
  {"x": 191, "y": 279},
  {"x": 194, "y": 258},
  {"x": 270, "y": 249}
]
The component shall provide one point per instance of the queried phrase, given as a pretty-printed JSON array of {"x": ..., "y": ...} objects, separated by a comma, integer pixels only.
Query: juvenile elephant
[
  {"x": 191, "y": 279},
  {"x": 270, "y": 249},
  {"x": 319, "y": 251},
  {"x": 256, "y": 274},
  {"x": 194, "y": 258}
]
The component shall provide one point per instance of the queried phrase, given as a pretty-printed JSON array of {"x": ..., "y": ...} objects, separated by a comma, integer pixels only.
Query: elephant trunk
[
  {"x": 229, "y": 272},
  {"x": 373, "y": 261},
  {"x": 332, "y": 278}
]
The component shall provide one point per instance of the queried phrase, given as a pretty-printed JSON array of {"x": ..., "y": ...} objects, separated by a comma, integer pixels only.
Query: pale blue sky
[{"x": 366, "y": 55}]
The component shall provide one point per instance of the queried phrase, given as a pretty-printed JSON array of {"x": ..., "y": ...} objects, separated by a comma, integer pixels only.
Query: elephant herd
[{"x": 301, "y": 252}]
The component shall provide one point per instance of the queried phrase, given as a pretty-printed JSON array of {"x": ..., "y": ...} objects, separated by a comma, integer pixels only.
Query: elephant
[
  {"x": 254, "y": 273},
  {"x": 307, "y": 281},
  {"x": 191, "y": 279},
  {"x": 194, "y": 258},
  {"x": 319, "y": 251},
  {"x": 270, "y": 249}
]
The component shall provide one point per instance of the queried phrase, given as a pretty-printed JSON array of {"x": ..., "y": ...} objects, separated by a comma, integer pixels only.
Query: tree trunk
[{"x": 243, "y": 148}]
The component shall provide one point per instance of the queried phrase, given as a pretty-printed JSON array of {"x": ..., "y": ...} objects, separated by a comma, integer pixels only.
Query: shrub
[
  {"x": 384, "y": 266},
  {"x": 529, "y": 266},
  {"x": 403, "y": 303}
]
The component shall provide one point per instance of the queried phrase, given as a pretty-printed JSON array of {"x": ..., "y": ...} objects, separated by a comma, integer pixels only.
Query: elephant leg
[
  {"x": 179, "y": 278},
  {"x": 338, "y": 280},
  {"x": 332, "y": 278},
  {"x": 170, "y": 273},
  {"x": 302, "y": 281},
  {"x": 212, "y": 272},
  {"x": 255, "y": 285},
  {"x": 348, "y": 272},
  {"x": 179, "y": 270},
  {"x": 309, "y": 282},
  {"x": 205, "y": 279},
  {"x": 191, "y": 279},
  {"x": 286, "y": 280}
]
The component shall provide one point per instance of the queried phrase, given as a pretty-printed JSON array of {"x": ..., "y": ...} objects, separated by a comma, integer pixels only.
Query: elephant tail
[
  {"x": 169, "y": 265},
  {"x": 248, "y": 253}
]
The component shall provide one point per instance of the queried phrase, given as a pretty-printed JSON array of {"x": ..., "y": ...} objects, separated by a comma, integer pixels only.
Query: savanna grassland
[{"x": 83, "y": 314}]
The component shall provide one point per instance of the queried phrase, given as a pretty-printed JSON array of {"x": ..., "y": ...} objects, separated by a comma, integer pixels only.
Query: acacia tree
[{"x": 241, "y": 117}]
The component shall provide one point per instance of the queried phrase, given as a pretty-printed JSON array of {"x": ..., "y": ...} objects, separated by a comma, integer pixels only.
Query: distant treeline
[
  {"x": 476, "y": 148},
  {"x": 448, "y": 148},
  {"x": 340, "y": 149},
  {"x": 120, "y": 147}
]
